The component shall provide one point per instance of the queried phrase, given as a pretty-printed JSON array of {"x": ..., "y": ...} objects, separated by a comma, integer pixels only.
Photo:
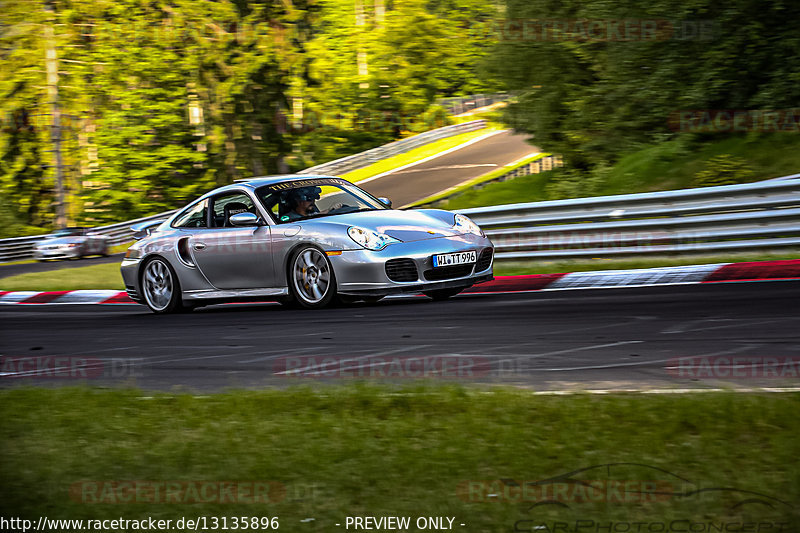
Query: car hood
[
  {"x": 61, "y": 240},
  {"x": 406, "y": 226}
]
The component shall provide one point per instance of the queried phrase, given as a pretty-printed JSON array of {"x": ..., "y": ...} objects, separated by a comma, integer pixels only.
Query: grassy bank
[
  {"x": 666, "y": 166},
  {"x": 368, "y": 450},
  {"x": 101, "y": 276}
]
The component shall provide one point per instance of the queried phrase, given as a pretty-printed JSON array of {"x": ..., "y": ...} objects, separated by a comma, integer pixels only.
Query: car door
[{"x": 233, "y": 257}]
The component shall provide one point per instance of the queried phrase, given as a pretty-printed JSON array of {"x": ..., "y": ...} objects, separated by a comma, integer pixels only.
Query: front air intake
[
  {"x": 485, "y": 260},
  {"x": 401, "y": 270}
]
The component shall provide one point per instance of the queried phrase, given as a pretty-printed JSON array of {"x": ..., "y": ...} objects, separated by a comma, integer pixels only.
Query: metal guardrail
[
  {"x": 754, "y": 216},
  {"x": 363, "y": 159},
  {"x": 463, "y": 104}
]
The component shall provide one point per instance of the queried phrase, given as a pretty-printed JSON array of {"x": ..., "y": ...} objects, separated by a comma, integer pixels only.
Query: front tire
[
  {"x": 442, "y": 294},
  {"x": 312, "y": 282},
  {"x": 160, "y": 287}
]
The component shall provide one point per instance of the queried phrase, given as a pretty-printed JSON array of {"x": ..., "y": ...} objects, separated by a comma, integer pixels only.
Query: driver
[{"x": 301, "y": 202}]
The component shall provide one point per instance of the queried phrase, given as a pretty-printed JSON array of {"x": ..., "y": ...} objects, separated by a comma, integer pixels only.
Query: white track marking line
[
  {"x": 737, "y": 320},
  {"x": 558, "y": 332},
  {"x": 429, "y": 158},
  {"x": 70, "y": 369},
  {"x": 465, "y": 182},
  {"x": 532, "y": 370},
  {"x": 448, "y": 167},
  {"x": 321, "y": 368},
  {"x": 273, "y": 355},
  {"x": 581, "y": 349}
]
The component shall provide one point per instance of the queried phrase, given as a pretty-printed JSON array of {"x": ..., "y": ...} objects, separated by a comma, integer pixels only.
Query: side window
[
  {"x": 193, "y": 217},
  {"x": 230, "y": 204}
]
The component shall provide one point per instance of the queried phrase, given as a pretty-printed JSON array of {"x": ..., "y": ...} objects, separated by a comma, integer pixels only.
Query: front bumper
[
  {"x": 363, "y": 272},
  {"x": 130, "y": 276},
  {"x": 56, "y": 253},
  {"x": 422, "y": 287}
]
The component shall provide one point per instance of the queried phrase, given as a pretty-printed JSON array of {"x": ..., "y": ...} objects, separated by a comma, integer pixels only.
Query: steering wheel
[{"x": 344, "y": 208}]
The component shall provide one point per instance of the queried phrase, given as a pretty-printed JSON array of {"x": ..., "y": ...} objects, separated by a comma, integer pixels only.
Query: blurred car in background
[{"x": 71, "y": 243}]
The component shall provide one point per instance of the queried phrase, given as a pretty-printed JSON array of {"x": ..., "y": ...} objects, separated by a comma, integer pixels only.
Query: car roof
[
  {"x": 254, "y": 183},
  {"x": 272, "y": 180}
]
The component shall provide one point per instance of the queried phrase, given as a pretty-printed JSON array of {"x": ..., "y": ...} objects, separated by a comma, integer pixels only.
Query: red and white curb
[
  {"x": 722, "y": 272},
  {"x": 65, "y": 297}
]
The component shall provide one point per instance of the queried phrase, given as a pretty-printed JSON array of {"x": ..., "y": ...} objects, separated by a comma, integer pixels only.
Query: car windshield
[
  {"x": 67, "y": 232},
  {"x": 312, "y": 198}
]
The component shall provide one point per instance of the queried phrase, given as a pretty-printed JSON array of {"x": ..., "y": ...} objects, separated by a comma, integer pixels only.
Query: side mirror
[
  {"x": 245, "y": 219},
  {"x": 385, "y": 201},
  {"x": 144, "y": 229}
]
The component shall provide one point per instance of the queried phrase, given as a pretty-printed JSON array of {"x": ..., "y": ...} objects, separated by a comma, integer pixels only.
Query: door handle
[{"x": 199, "y": 245}]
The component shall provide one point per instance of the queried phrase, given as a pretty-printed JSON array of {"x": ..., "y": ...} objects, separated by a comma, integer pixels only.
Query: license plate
[{"x": 459, "y": 258}]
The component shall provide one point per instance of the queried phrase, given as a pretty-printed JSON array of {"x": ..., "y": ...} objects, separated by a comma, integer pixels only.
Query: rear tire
[
  {"x": 312, "y": 282},
  {"x": 442, "y": 294},
  {"x": 160, "y": 287}
]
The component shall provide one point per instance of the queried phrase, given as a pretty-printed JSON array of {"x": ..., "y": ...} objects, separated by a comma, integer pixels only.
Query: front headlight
[
  {"x": 371, "y": 240},
  {"x": 465, "y": 225},
  {"x": 133, "y": 253}
]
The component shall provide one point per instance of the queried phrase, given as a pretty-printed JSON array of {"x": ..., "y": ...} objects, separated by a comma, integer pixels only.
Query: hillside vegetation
[{"x": 680, "y": 163}]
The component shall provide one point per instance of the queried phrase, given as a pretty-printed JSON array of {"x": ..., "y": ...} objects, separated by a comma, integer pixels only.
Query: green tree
[
  {"x": 594, "y": 99},
  {"x": 26, "y": 178}
]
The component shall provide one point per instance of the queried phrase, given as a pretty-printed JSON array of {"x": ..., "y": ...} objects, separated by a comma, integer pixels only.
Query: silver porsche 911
[{"x": 302, "y": 240}]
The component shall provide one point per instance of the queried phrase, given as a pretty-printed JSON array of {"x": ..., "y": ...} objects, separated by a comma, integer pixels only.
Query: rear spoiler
[{"x": 143, "y": 229}]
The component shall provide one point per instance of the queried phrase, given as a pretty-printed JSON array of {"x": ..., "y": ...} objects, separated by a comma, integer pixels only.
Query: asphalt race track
[
  {"x": 553, "y": 340},
  {"x": 422, "y": 180}
]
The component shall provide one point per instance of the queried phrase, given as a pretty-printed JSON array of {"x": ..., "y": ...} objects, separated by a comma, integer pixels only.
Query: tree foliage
[
  {"x": 162, "y": 99},
  {"x": 594, "y": 99}
]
